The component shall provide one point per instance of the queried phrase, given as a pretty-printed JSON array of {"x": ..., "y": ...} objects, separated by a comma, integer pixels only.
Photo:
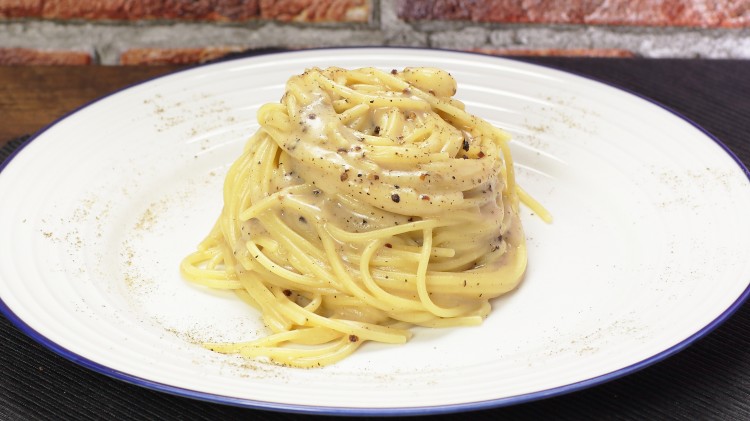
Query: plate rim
[{"x": 374, "y": 411}]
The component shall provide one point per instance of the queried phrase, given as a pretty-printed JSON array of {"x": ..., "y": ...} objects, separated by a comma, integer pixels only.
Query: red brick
[
  {"x": 710, "y": 13},
  {"x": 699, "y": 13},
  {"x": 316, "y": 11},
  {"x": 20, "y": 8},
  {"x": 211, "y": 10},
  {"x": 161, "y": 56},
  {"x": 27, "y": 56},
  {"x": 191, "y": 10},
  {"x": 572, "y": 52}
]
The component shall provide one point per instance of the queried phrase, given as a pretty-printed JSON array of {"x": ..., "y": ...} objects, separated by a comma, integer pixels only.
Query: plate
[{"x": 642, "y": 258}]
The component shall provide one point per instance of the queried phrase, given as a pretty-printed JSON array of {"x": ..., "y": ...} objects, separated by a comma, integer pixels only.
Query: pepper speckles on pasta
[{"x": 368, "y": 201}]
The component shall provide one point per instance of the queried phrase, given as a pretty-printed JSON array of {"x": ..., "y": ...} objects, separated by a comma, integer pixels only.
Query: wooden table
[
  {"x": 710, "y": 379},
  {"x": 32, "y": 97}
]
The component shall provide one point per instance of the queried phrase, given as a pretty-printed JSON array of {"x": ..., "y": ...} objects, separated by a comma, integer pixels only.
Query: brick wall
[{"x": 189, "y": 31}]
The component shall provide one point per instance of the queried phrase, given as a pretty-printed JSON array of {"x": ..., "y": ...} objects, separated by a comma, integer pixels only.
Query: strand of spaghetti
[
  {"x": 314, "y": 303},
  {"x": 398, "y": 303},
  {"x": 404, "y": 155},
  {"x": 306, "y": 336},
  {"x": 435, "y": 252},
  {"x": 310, "y": 259},
  {"x": 231, "y": 193},
  {"x": 375, "y": 100},
  {"x": 336, "y": 354},
  {"x": 465, "y": 260},
  {"x": 294, "y": 245},
  {"x": 296, "y": 313},
  {"x": 347, "y": 281},
  {"x": 247, "y": 298},
  {"x": 366, "y": 331},
  {"x": 265, "y": 299},
  {"x": 358, "y": 237},
  {"x": 209, "y": 278},
  {"x": 274, "y": 116},
  {"x": 353, "y": 112},
  {"x": 533, "y": 204},
  {"x": 268, "y": 202},
  {"x": 388, "y": 305},
  {"x": 284, "y": 273},
  {"x": 280, "y": 353},
  {"x": 312, "y": 358},
  {"x": 424, "y": 295},
  {"x": 300, "y": 93},
  {"x": 510, "y": 174},
  {"x": 494, "y": 283}
]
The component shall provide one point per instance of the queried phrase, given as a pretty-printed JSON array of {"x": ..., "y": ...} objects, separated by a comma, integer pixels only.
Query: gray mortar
[{"x": 107, "y": 40}]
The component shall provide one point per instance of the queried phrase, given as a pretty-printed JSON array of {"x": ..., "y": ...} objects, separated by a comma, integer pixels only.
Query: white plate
[{"x": 644, "y": 255}]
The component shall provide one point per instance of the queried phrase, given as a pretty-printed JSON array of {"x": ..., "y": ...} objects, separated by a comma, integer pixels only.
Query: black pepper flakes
[
  {"x": 377, "y": 130},
  {"x": 344, "y": 175},
  {"x": 302, "y": 219},
  {"x": 389, "y": 245},
  {"x": 395, "y": 197},
  {"x": 353, "y": 338},
  {"x": 287, "y": 292},
  {"x": 312, "y": 116},
  {"x": 394, "y": 72},
  {"x": 466, "y": 145}
]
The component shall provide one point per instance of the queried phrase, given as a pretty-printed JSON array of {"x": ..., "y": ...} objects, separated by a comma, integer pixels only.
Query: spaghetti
[{"x": 366, "y": 203}]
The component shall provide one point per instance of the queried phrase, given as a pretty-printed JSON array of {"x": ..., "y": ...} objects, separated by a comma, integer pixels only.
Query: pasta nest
[{"x": 367, "y": 202}]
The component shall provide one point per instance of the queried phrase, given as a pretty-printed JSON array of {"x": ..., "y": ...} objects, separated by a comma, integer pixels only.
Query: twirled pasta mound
[{"x": 367, "y": 202}]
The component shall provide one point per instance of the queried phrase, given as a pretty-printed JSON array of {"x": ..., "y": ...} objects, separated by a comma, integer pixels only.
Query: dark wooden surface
[
  {"x": 32, "y": 97},
  {"x": 708, "y": 380}
]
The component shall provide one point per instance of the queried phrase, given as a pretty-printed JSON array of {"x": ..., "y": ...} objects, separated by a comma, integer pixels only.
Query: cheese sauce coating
[{"x": 366, "y": 203}]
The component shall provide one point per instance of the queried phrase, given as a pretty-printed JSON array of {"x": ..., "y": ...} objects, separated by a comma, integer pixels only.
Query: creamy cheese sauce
[{"x": 367, "y": 202}]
